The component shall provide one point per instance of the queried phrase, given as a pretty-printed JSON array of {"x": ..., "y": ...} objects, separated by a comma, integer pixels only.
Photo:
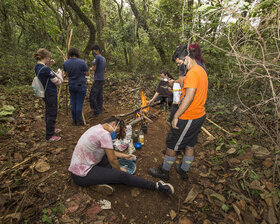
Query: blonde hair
[{"x": 41, "y": 54}]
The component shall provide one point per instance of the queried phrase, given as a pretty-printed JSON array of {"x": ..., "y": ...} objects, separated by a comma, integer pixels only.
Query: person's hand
[
  {"x": 52, "y": 61},
  {"x": 130, "y": 157},
  {"x": 150, "y": 101},
  {"x": 169, "y": 88},
  {"x": 123, "y": 169},
  {"x": 174, "y": 123}
]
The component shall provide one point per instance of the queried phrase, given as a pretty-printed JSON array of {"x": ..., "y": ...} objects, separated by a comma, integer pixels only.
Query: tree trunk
[
  {"x": 99, "y": 24},
  {"x": 143, "y": 23},
  {"x": 88, "y": 23},
  {"x": 120, "y": 7}
]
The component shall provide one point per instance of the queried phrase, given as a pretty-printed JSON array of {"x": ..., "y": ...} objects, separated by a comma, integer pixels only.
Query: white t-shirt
[
  {"x": 176, "y": 92},
  {"x": 89, "y": 150}
]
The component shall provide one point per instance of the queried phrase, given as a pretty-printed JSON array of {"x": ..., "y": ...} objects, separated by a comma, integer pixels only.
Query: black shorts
[{"x": 186, "y": 135}]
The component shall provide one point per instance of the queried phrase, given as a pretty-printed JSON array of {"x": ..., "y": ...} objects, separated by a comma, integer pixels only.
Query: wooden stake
[
  {"x": 211, "y": 137},
  {"x": 83, "y": 116},
  {"x": 137, "y": 120},
  {"x": 148, "y": 119},
  {"x": 218, "y": 126}
]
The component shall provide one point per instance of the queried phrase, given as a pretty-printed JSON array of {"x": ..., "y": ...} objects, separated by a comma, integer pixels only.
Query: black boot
[
  {"x": 159, "y": 172},
  {"x": 182, "y": 173},
  {"x": 80, "y": 123}
]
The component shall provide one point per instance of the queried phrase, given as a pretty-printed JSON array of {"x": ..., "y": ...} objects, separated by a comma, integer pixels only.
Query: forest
[{"x": 235, "y": 176}]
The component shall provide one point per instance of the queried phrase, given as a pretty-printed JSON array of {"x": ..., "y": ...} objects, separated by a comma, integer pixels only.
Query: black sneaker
[
  {"x": 165, "y": 187},
  {"x": 182, "y": 173},
  {"x": 159, "y": 172},
  {"x": 80, "y": 123}
]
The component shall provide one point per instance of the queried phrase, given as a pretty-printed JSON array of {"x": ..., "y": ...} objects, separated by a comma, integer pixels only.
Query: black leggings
[
  {"x": 51, "y": 114},
  {"x": 103, "y": 173}
]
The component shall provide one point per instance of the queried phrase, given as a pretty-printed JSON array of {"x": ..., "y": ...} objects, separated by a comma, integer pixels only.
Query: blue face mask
[{"x": 113, "y": 135}]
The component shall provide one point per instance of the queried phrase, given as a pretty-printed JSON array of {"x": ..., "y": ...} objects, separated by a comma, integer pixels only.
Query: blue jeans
[
  {"x": 77, "y": 96},
  {"x": 96, "y": 96}
]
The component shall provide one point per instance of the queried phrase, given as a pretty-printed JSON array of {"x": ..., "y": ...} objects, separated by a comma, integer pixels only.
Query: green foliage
[
  {"x": 4, "y": 130},
  {"x": 6, "y": 110},
  {"x": 57, "y": 210},
  {"x": 225, "y": 207}
]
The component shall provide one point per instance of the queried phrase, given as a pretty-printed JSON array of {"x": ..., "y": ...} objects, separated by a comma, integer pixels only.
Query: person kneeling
[{"x": 94, "y": 161}]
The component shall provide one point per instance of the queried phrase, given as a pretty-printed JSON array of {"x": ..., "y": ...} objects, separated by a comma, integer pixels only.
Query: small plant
[
  {"x": 46, "y": 218},
  {"x": 225, "y": 207}
]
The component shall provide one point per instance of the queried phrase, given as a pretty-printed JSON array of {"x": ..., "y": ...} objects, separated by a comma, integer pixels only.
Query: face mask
[
  {"x": 114, "y": 133},
  {"x": 183, "y": 69},
  {"x": 94, "y": 54},
  {"x": 164, "y": 79}
]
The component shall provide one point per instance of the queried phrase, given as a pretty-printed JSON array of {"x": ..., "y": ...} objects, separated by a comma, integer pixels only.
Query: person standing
[
  {"x": 77, "y": 70},
  {"x": 196, "y": 51},
  {"x": 49, "y": 81},
  {"x": 187, "y": 121},
  {"x": 96, "y": 93}
]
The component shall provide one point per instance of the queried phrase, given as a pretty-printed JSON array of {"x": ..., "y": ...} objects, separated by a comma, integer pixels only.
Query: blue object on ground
[
  {"x": 138, "y": 145},
  {"x": 130, "y": 166}
]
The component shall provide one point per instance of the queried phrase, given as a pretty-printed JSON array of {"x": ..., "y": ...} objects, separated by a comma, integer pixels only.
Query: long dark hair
[
  {"x": 165, "y": 72},
  {"x": 195, "y": 49},
  {"x": 121, "y": 124}
]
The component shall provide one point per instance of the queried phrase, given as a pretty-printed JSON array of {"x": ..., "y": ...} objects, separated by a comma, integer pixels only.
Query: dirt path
[
  {"x": 232, "y": 180},
  {"x": 146, "y": 207}
]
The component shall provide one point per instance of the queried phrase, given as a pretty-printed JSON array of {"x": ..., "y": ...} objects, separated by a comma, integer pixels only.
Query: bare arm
[
  {"x": 190, "y": 93},
  {"x": 154, "y": 97},
  {"x": 112, "y": 158},
  {"x": 124, "y": 156},
  {"x": 93, "y": 68}
]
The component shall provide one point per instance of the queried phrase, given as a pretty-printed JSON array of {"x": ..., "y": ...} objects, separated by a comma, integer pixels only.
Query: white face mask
[
  {"x": 164, "y": 79},
  {"x": 114, "y": 133},
  {"x": 114, "y": 129}
]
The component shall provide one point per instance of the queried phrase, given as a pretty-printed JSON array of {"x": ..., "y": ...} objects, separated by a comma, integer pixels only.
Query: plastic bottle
[
  {"x": 141, "y": 137},
  {"x": 135, "y": 137}
]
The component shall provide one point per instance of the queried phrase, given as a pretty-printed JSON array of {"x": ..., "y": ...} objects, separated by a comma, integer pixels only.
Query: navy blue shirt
[
  {"x": 76, "y": 69},
  {"x": 100, "y": 63},
  {"x": 45, "y": 76}
]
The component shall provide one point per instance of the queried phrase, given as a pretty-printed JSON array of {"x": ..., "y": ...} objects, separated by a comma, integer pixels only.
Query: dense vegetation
[{"x": 240, "y": 42}]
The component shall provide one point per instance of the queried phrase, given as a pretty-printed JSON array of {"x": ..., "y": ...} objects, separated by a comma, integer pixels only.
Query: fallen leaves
[
  {"x": 260, "y": 152},
  {"x": 42, "y": 166},
  {"x": 192, "y": 194}
]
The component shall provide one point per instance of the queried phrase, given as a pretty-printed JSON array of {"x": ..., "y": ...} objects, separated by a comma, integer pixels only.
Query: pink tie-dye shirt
[{"x": 89, "y": 150}]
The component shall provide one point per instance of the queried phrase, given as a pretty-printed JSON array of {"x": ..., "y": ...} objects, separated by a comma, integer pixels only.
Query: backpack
[{"x": 37, "y": 86}]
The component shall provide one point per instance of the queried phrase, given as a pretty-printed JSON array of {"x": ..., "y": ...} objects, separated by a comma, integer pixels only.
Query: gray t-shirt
[{"x": 100, "y": 63}]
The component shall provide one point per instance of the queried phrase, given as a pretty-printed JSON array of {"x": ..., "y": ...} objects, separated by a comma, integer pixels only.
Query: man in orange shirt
[{"x": 187, "y": 121}]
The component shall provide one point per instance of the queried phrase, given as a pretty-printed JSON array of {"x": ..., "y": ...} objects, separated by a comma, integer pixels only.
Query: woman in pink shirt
[{"x": 94, "y": 161}]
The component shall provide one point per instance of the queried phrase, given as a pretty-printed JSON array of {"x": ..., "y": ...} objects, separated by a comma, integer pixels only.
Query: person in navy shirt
[
  {"x": 49, "y": 81},
  {"x": 77, "y": 70},
  {"x": 96, "y": 93}
]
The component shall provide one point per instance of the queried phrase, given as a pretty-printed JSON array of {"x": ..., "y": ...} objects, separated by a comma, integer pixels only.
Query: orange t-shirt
[{"x": 195, "y": 78}]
